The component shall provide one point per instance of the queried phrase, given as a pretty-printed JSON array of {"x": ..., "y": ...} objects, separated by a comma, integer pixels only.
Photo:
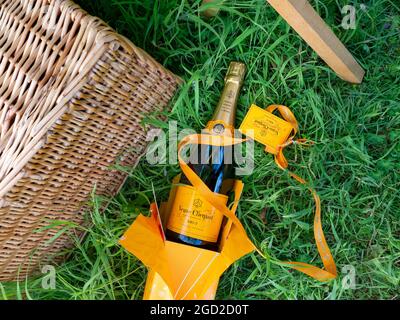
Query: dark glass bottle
[{"x": 215, "y": 165}]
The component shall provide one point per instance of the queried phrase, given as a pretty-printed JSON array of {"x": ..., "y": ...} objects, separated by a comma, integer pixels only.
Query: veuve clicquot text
[{"x": 193, "y": 221}]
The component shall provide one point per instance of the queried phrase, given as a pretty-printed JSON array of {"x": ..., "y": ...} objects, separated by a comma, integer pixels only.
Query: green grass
[{"x": 354, "y": 164}]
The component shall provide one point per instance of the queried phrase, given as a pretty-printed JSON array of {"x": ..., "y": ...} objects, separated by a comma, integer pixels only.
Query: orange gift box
[{"x": 178, "y": 271}]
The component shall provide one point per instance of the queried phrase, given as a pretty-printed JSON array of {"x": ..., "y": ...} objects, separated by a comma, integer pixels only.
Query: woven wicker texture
[{"x": 72, "y": 96}]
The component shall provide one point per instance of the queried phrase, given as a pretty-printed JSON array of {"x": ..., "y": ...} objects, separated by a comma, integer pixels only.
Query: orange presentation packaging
[{"x": 178, "y": 271}]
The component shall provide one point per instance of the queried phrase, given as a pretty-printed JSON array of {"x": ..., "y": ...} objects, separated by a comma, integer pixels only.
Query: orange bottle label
[{"x": 192, "y": 216}]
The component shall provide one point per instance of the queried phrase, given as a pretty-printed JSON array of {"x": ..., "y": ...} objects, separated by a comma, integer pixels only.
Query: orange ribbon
[
  {"x": 221, "y": 141},
  {"x": 330, "y": 271}
]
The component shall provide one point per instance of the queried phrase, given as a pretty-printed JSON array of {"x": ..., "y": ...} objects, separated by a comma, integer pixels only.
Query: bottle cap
[{"x": 236, "y": 72}]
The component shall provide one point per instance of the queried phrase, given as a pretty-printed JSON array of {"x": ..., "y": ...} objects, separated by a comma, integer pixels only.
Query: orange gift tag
[{"x": 266, "y": 128}]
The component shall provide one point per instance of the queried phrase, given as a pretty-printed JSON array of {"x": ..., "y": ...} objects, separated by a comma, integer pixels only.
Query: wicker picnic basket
[{"x": 72, "y": 97}]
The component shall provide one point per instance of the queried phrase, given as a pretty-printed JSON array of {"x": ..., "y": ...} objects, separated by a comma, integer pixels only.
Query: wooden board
[{"x": 302, "y": 17}]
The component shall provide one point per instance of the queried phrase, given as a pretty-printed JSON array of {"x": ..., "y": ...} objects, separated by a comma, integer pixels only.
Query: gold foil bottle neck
[
  {"x": 226, "y": 109},
  {"x": 236, "y": 72}
]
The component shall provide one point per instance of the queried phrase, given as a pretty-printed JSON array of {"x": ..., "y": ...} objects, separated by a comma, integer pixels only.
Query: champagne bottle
[{"x": 193, "y": 221}]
